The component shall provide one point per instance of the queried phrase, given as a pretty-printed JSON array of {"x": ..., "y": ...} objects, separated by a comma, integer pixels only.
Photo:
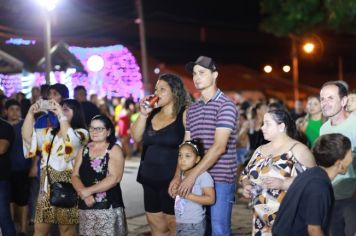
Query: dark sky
[{"x": 179, "y": 31}]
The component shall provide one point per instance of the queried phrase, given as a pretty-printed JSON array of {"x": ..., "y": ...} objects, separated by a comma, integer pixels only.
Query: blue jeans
[
  {"x": 6, "y": 224},
  {"x": 220, "y": 212}
]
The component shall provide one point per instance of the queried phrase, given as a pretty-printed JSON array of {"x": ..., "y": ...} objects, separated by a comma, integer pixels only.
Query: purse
[{"x": 62, "y": 194}]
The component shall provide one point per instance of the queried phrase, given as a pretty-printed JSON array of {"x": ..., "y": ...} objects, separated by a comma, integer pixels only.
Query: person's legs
[
  {"x": 42, "y": 229},
  {"x": 171, "y": 223},
  {"x": 159, "y": 210},
  {"x": 337, "y": 223},
  {"x": 157, "y": 224},
  {"x": 220, "y": 212},
  {"x": 20, "y": 191},
  {"x": 6, "y": 224},
  {"x": 67, "y": 230},
  {"x": 23, "y": 213},
  {"x": 349, "y": 213}
]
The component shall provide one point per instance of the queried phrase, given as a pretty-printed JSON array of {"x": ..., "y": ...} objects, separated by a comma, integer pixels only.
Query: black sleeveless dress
[
  {"x": 93, "y": 171},
  {"x": 160, "y": 151}
]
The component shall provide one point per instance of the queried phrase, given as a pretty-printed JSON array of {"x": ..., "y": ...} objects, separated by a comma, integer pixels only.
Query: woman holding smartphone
[{"x": 61, "y": 144}]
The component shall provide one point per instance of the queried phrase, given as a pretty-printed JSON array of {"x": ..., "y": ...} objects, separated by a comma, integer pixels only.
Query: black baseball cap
[{"x": 203, "y": 61}]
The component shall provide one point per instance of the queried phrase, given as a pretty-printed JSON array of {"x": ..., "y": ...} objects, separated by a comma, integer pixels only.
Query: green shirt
[{"x": 313, "y": 130}]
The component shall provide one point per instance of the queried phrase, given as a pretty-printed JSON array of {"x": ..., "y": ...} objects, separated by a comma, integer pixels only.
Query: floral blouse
[
  {"x": 63, "y": 151},
  {"x": 91, "y": 172}
]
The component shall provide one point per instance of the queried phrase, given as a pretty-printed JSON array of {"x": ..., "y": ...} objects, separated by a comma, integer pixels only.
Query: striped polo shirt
[{"x": 202, "y": 121}]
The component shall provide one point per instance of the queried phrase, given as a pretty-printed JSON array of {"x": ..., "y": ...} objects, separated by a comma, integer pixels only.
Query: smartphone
[{"x": 44, "y": 105}]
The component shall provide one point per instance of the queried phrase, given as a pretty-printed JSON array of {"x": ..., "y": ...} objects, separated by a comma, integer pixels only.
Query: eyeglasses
[{"x": 96, "y": 129}]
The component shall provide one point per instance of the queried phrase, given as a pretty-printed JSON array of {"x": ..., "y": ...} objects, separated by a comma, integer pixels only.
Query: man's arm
[
  {"x": 221, "y": 139},
  {"x": 315, "y": 230},
  {"x": 6, "y": 136},
  {"x": 4, "y": 146}
]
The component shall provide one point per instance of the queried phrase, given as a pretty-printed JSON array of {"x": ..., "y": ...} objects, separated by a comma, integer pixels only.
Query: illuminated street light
[
  {"x": 309, "y": 47},
  {"x": 95, "y": 63},
  {"x": 286, "y": 68},
  {"x": 267, "y": 69},
  {"x": 50, "y": 5},
  {"x": 156, "y": 70}
]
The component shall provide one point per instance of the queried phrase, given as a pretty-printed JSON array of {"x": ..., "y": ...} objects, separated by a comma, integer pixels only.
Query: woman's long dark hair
[
  {"x": 180, "y": 95},
  {"x": 78, "y": 120},
  {"x": 111, "y": 139},
  {"x": 281, "y": 115}
]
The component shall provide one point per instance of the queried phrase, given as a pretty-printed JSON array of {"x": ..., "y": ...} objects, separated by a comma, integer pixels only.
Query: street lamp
[
  {"x": 308, "y": 47},
  {"x": 286, "y": 68},
  {"x": 47, "y": 5},
  {"x": 267, "y": 69}
]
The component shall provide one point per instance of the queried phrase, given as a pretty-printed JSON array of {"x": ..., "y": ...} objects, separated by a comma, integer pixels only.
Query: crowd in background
[{"x": 127, "y": 121}]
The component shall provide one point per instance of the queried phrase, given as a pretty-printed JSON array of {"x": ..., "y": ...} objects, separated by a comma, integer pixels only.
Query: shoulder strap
[
  {"x": 49, "y": 155},
  {"x": 290, "y": 149}
]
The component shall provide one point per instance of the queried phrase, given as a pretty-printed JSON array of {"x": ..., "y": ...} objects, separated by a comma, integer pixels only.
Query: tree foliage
[{"x": 296, "y": 17}]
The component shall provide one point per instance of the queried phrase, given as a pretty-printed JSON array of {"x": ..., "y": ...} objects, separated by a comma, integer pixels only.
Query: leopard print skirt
[
  {"x": 103, "y": 222},
  {"x": 45, "y": 212}
]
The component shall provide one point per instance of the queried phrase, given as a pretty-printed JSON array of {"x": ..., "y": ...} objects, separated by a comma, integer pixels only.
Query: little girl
[{"x": 190, "y": 211}]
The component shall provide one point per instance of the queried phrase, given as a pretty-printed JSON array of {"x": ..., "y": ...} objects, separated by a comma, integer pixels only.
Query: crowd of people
[{"x": 297, "y": 167}]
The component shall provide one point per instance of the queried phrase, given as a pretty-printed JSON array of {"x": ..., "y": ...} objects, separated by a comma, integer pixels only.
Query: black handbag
[{"x": 62, "y": 194}]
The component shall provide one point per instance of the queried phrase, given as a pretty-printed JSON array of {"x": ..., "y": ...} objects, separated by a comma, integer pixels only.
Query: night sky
[{"x": 180, "y": 31}]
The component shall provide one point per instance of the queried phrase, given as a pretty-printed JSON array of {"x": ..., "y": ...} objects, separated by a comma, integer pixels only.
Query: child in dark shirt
[{"x": 306, "y": 209}]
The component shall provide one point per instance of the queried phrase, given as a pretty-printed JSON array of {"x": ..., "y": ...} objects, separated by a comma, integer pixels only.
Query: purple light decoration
[
  {"x": 20, "y": 41},
  {"x": 120, "y": 76}
]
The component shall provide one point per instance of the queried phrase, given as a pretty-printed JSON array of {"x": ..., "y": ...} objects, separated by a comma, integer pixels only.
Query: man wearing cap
[
  {"x": 213, "y": 120},
  {"x": 57, "y": 92}
]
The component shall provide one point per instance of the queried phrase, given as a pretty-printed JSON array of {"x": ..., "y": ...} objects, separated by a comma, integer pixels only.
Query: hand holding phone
[{"x": 44, "y": 105}]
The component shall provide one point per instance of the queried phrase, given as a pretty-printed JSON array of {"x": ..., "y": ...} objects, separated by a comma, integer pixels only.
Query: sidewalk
[{"x": 241, "y": 222}]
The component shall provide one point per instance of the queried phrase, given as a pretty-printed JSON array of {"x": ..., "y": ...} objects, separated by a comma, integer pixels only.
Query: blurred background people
[
  {"x": 90, "y": 109},
  {"x": 7, "y": 136},
  {"x": 298, "y": 110},
  {"x": 312, "y": 122},
  {"x": 351, "y": 102},
  {"x": 20, "y": 181},
  {"x": 124, "y": 124}
]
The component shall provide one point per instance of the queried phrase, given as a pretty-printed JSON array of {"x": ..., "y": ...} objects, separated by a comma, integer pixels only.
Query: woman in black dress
[{"x": 161, "y": 130}]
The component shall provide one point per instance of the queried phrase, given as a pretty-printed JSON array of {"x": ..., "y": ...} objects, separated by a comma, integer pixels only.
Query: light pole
[
  {"x": 309, "y": 47},
  {"x": 141, "y": 22},
  {"x": 295, "y": 68},
  {"x": 47, "y": 5}
]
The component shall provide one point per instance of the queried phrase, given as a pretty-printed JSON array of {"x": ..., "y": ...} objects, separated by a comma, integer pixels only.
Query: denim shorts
[{"x": 186, "y": 229}]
